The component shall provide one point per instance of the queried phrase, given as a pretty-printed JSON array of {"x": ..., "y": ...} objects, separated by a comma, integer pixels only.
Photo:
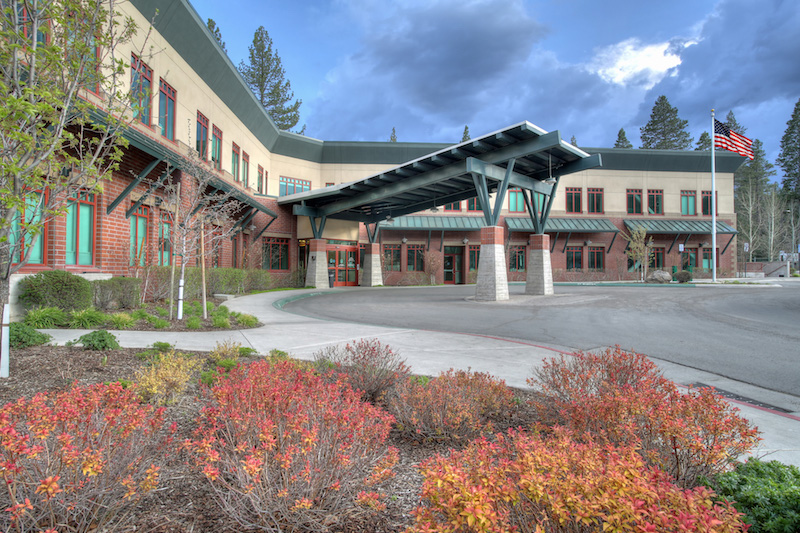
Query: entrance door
[
  {"x": 453, "y": 265},
  {"x": 342, "y": 263}
]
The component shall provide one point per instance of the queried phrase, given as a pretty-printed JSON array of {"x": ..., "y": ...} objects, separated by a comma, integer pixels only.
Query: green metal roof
[
  {"x": 574, "y": 225},
  {"x": 672, "y": 227},
  {"x": 667, "y": 160},
  {"x": 433, "y": 222}
]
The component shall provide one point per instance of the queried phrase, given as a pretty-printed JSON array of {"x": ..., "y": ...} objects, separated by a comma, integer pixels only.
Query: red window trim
[
  {"x": 140, "y": 67},
  {"x": 279, "y": 240},
  {"x": 43, "y": 235},
  {"x": 596, "y": 251},
  {"x": 168, "y": 91},
  {"x": 659, "y": 193},
  {"x": 216, "y": 133},
  {"x": 570, "y": 194},
  {"x": 628, "y": 194},
  {"x": 449, "y": 207},
  {"x": 202, "y": 120},
  {"x": 689, "y": 194},
  {"x": 77, "y": 198},
  {"x": 590, "y": 193},
  {"x": 145, "y": 214},
  {"x": 512, "y": 205},
  {"x": 245, "y": 169},
  {"x": 261, "y": 182},
  {"x": 236, "y": 151},
  {"x": 703, "y": 196},
  {"x": 571, "y": 250},
  {"x": 476, "y": 208}
]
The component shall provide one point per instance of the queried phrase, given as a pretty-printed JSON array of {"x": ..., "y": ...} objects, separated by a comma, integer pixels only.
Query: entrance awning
[
  {"x": 430, "y": 222},
  {"x": 573, "y": 225},
  {"x": 679, "y": 227}
]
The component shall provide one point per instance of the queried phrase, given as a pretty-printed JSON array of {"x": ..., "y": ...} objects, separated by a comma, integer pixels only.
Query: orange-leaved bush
[
  {"x": 369, "y": 366},
  {"x": 555, "y": 484},
  {"x": 286, "y": 450},
  {"x": 77, "y": 460},
  {"x": 622, "y": 397},
  {"x": 457, "y": 404}
]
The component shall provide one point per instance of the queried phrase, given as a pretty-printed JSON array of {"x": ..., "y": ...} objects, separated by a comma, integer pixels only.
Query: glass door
[
  {"x": 449, "y": 268},
  {"x": 342, "y": 266}
]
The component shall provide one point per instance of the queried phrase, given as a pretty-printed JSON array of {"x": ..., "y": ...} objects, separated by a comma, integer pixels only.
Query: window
[
  {"x": 634, "y": 201},
  {"x": 595, "y": 197},
  {"x": 216, "y": 147},
  {"x": 164, "y": 241},
  {"x": 655, "y": 202},
  {"x": 596, "y": 255},
  {"x": 574, "y": 258},
  {"x": 166, "y": 110},
  {"x": 26, "y": 21},
  {"x": 538, "y": 201},
  {"x": 275, "y": 254},
  {"x": 245, "y": 170},
  {"x": 31, "y": 213},
  {"x": 202, "y": 136},
  {"x": 215, "y": 245},
  {"x": 707, "y": 260},
  {"x": 261, "y": 180},
  {"x": 706, "y": 201},
  {"x": 657, "y": 259},
  {"x": 474, "y": 256},
  {"x": 453, "y": 207},
  {"x": 391, "y": 256},
  {"x": 141, "y": 86},
  {"x": 574, "y": 200},
  {"x": 80, "y": 230},
  {"x": 473, "y": 204},
  {"x": 138, "y": 248},
  {"x": 235, "y": 161},
  {"x": 516, "y": 201},
  {"x": 689, "y": 259},
  {"x": 329, "y": 184},
  {"x": 688, "y": 199},
  {"x": 516, "y": 258},
  {"x": 415, "y": 254},
  {"x": 293, "y": 185}
]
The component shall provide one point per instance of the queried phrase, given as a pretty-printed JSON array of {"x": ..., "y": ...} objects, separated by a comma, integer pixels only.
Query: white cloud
[{"x": 632, "y": 63}]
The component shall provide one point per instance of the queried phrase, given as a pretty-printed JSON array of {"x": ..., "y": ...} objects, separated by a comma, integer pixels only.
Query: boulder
[{"x": 659, "y": 276}]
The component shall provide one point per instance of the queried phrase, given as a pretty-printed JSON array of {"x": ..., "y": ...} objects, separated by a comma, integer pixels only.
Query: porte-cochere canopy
[{"x": 522, "y": 156}]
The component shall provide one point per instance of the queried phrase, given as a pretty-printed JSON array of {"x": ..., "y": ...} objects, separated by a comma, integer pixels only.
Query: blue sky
[{"x": 584, "y": 67}]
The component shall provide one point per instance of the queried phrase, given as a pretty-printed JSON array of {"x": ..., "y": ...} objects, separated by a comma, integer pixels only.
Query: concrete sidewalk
[{"x": 429, "y": 352}]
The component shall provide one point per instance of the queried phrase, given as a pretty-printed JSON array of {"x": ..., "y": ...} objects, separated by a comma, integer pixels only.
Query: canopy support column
[
  {"x": 372, "y": 274},
  {"x": 317, "y": 271},
  {"x": 539, "y": 275},
  {"x": 492, "y": 276}
]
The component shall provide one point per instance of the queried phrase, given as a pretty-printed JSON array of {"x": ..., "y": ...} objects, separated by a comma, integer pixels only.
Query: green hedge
[
  {"x": 56, "y": 288},
  {"x": 156, "y": 281},
  {"x": 117, "y": 293}
]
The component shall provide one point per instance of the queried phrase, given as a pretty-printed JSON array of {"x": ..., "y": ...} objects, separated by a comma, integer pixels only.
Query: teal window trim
[
  {"x": 166, "y": 109},
  {"x": 688, "y": 203},
  {"x": 80, "y": 227},
  {"x": 516, "y": 201},
  {"x": 138, "y": 236},
  {"x": 33, "y": 246},
  {"x": 292, "y": 186}
]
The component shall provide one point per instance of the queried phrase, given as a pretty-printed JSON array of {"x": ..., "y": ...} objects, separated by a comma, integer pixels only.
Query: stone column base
[
  {"x": 539, "y": 276},
  {"x": 317, "y": 271},
  {"x": 372, "y": 274},
  {"x": 492, "y": 276}
]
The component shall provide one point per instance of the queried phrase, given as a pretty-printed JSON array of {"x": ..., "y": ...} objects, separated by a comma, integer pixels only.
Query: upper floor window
[
  {"x": 595, "y": 198},
  {"x": 688, "y": 203},
  {"x": 141, "y": 87},
  {"x": 516, "y": 201},
  {"x": 634, "y": 201},
  {"x": 201, "y": 144},
  {"x": 245, "y": 170},
  {"x": 473, "y": 204},
  {"x": 574, "y": 200},
  {"x": 216, "y": 147},
  {"x": 166, "y": 110},
  {"x": 538, "y": 201},
  {"x": 456, "y": 206},
  {"x": 293, "y": 185},
  {"x": 706, "y": 201},
  {"x": 81, "y": 223},
  {"x": 655, "y": 202},
  {"x": 235, "y": 161},
  {"x": 261, "y": 188}
]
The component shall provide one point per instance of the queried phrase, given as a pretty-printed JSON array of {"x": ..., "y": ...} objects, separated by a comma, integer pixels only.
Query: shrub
[
  {"x": 56, "y": 288},
  {"x": 140, "y": 314},
  {"x": 227, "y": 349},
  {"x": 219, "y": 321},
  {"x": 120, "y": 321},
  {"x": 163, "y": 381},
  {"x": 247, "y": 321},
  {"x": 621, "y": 397},
  {"x": 682, "y": 276},
  {"x": 768, "y": 493},
  {"x": 247, "y": 351},
  {"x": 227, "y": 364},
  {"x": 193, "y": 322},
  {"x": 86, "y": 318},
  {"x": 81, "y": 458},
  {"x": 117, "y": 293},
  {"x": 371, "y": 367},
  {"x": 208, "y": 377},
  {"x": 524, "y": 482},
  {"x": 162, "y": 312},
  {"x": 286, "y": 451},
  {"x": 162, "y": 347},
  {"x": 45, "y": 317},
  {"x": 22, "y": 336},
  {"x": 457, "y": 404},
  {"x": 98, "y": 340},
  {"x": 160, "y": 323}
]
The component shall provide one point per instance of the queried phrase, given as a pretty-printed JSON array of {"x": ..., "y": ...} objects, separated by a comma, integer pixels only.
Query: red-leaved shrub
[
  {"x": 78, "y": 460},
  {"x": 622, "y": 397},
  {"x": 554, "y": 484},
  {"x": 369, "y": 366},
  {"x": 457, "y": 404},
  {"x": 286, "y": 450}
]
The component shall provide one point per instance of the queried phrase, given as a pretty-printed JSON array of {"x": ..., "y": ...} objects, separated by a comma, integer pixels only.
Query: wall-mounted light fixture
[
  {"x": 465, "y": 241},
  {"x": 587, "y": 243},
  {"x": 404, "y": 240}
]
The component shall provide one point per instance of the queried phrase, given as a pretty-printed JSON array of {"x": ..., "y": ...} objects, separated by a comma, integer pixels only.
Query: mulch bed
[{"x": 184, "y": 501}]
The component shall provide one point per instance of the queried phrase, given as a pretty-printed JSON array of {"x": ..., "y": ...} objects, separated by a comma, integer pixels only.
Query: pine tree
[
  {"x": 730, "y": 121},
  {"x": 465, "y": 137},
  {"x": 789, "y": 158},
  {"x": 573, "y": 141},
  {"x": 216, "y": 33},
  {"x": 703, "y": 143},
  {"x": 665, "y": 130},
  {"x": 393, "y": 136},
  {"x": 622, "y": 140},
  {"x": 750, "y": 194},
  {"x": 265, "y": 75}
]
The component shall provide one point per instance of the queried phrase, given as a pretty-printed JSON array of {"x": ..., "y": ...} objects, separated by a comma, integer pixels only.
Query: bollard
[
  {"x": 4, "y": 344},
  {"x": 180, "y": 299}
]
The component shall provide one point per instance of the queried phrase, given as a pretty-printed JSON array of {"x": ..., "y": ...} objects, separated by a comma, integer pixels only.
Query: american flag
[{"x": 724, "y": 137}]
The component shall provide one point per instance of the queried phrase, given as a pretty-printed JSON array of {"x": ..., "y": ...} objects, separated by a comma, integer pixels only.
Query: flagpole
[{"x": 713, "y": 205}]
